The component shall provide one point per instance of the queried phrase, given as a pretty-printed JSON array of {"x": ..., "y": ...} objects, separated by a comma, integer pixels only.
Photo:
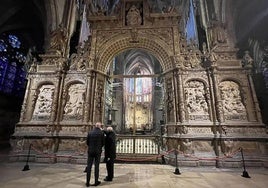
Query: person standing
[
  {"x": 110, "y": 152},
  {"x": 95, "y": 142}
]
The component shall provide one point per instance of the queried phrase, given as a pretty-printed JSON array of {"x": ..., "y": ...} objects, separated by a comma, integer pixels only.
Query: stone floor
[{"x": 61, "y": 175}]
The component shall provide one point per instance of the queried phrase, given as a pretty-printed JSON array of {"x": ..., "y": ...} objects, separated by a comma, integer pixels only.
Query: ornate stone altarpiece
[{"x": 210, "y": 102}]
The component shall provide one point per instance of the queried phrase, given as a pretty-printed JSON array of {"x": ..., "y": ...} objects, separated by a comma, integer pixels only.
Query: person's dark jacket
[
  {"x": 95, "y": 141},
  {"x": 110, "y": 145}
]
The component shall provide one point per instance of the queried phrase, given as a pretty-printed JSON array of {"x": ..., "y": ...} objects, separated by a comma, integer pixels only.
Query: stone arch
[
  {"x": 232, "y": 79},
  {"x": 40, "y": 84},
  {"x": 159, "y": 49},
  {"x": 205, "y": 82},
  {"x": 71, "y": 82}
]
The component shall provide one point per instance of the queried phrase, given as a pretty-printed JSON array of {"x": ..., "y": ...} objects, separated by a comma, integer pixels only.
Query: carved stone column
[
  {"x": 218, "y": 102},
  {"x": 176, "y": 95},
  {"x": 169, "y": 93},
  {"x": 60, "y": 98},
  {"x": 23, "y": 116},
  {"x": 181, "y": 97},
  {"x": 88, "y": 100},
  {"x": 254, "y": 98}
]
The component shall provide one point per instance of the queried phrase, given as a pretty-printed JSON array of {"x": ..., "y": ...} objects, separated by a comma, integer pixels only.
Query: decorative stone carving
[
  {"x": 75, "y": 101},
  {"x": 134, "y": 35},
  {"x": 209, "y": 57},
  {"x": 17, "y": 145},
  {"x": 191, "y": 61},
  {"x": 218, "y": 34},
  {"x": 169, "y": 100},
  {"x": 46, "y": 144},
  {"x": 43, "y": 105},
  {"x": 195, "y": 97},
  {"x": 172, "y": 143},
  {"x": 233, "y": 106},
  {"x": 82, "y": 146},
  {"x": 247, "y": 60},
  {"x": 79, "y": 60},
  {"x": 58, "y": 39},
  {"x": 186, "y": 146},
  {"x": 227, "y": 147},
  {"x": 133, "y": 16}
]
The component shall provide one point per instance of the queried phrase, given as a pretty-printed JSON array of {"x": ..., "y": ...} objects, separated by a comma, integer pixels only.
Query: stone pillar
[
  {"x": 176, "y": 95},
  {"x": 25, "y": 100},
  {"x": 181, "y": 104},
  {"x": 254, "y": 99},
  {"x": 88, "y": 99}
]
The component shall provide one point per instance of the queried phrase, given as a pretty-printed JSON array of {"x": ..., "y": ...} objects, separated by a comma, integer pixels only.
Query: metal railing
[{"x": 138, "y": 144}]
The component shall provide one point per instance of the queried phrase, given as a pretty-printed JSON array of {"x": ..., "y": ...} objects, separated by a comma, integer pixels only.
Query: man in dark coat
[
  {"x": 110, "y": 153},
  {"x": 95, "y": 142}
]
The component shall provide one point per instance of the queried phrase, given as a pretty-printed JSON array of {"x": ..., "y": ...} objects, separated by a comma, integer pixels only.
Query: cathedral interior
[{"x": 189, "y": 75}]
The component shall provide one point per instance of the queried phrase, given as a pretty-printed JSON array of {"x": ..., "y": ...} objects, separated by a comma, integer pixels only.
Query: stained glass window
[
  {"x": 12, "y": 59},
  {"x": 191, "y": 29}
]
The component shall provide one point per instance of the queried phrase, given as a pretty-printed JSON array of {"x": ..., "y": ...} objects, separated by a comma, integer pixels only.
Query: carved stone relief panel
[
  {"x": 169, "y": 100},
  {"x": 196, "y": 102},
  {"x": 202, "y": 146},
  {"x": 17, "y": 145},
  {"x": 252, "y": 131},
  {"x": 67, "y": 145},
  {"x": 186, "y": 146},
  {"x": 81, "y": 146},
  {"x": 227, "y": 147},
  {"x": 233, "y": 106},
  {"x": 73, "y": 109},
  {"x": 43, "y": 103}
]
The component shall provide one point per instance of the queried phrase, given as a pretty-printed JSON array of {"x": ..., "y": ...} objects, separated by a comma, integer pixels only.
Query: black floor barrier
[
  {"x": 26, "y": 167},
  {"x": 177, "y": 171},
  {"x": 245, "y": 173}
]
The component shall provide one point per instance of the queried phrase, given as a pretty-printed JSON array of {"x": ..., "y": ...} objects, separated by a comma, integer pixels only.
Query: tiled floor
[{"x": 129, "y": 176}]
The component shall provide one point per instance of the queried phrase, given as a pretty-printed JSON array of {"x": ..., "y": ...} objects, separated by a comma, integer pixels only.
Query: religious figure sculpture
[
  {"x": 43, "y": 104},
  {"x": 133, "y": 16},
  {"x": 58, "y": 39},
  {"x": 231, "y": 98},
  {"x": 75, "y": 101},
  {"x": 195, "y": 98},
  {"x": 247, "y": 60}
]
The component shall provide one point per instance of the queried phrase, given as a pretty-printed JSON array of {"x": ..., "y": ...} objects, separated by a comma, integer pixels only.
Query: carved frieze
[
  {"x": 32, "y": 130},
  {"x": 200, "y": 131},
  {"x": 255, "y": 132},
  {"x": 72, "y": 130}
]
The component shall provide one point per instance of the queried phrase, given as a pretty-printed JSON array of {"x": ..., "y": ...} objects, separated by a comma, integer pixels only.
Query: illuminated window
[
  {"x": 191, "y": 29},
  {"x": 12, "y": 59}
]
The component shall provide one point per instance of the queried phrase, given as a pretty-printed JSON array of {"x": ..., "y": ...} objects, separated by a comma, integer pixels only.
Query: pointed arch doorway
[{"x": 134, "y": 93}]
